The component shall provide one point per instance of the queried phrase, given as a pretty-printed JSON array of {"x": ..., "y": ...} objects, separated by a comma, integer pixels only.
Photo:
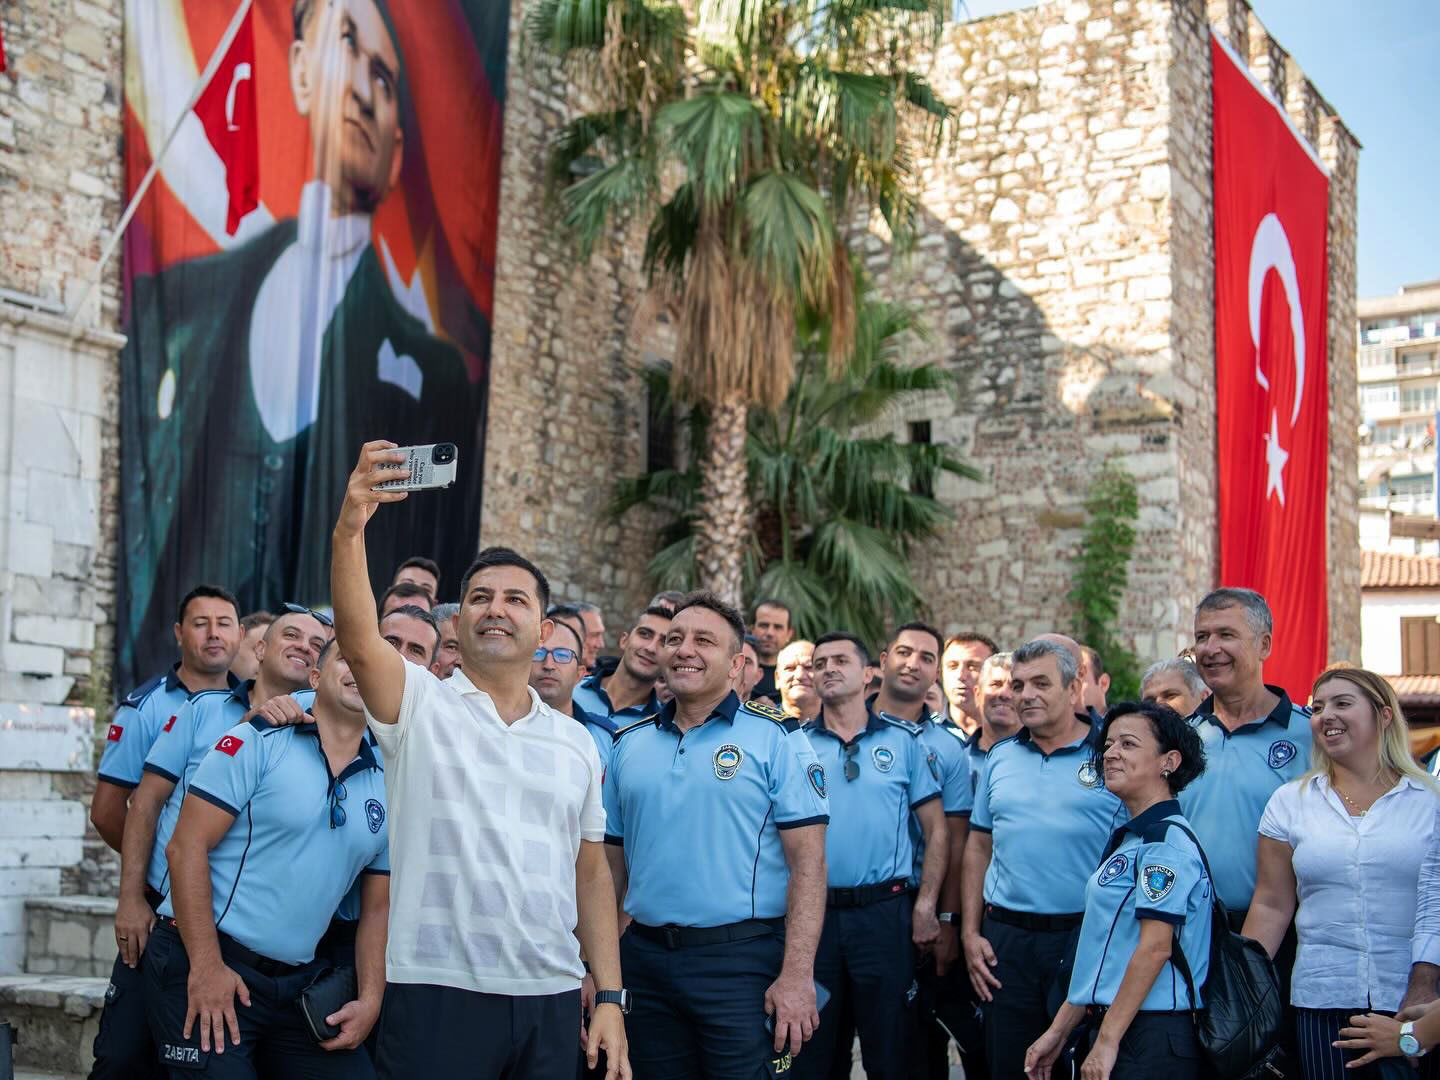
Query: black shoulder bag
[{"x": 1239, "y": 1025}]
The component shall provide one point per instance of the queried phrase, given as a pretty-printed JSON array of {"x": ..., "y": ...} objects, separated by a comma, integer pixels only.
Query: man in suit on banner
[{"x": 262, "y": 366}]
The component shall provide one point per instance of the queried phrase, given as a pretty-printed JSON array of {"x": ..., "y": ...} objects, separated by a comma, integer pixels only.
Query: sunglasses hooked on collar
[{"x": 301, "y": 609}]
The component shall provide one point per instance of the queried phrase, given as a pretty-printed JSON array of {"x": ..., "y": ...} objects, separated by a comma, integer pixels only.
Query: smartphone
[
  {"x": 822, "y": 996},
  {"x": 431, "y": 468}
]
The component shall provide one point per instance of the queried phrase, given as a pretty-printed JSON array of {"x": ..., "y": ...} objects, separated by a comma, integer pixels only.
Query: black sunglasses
[
  {"x": 301, "y": 609},
  {"x": 337, "y": 812},
  {"x": 562, "y": 656},
  {"x": 852, "y": 767}
]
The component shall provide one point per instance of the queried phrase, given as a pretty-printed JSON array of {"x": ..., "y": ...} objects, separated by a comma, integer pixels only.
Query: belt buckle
[{"x": 672, "y": 936}]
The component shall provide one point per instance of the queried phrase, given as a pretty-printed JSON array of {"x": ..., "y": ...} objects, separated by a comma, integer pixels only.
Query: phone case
[{"x": 431, "y": 467}]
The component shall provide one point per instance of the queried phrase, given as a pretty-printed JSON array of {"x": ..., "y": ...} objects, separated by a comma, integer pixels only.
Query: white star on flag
[{"x": 1275, "y": 459}]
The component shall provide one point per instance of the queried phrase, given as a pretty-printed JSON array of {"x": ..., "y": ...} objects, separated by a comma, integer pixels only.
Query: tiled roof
[
  {"x": 1381, "y": 570},
  {"x": 1416, "y": 690}
]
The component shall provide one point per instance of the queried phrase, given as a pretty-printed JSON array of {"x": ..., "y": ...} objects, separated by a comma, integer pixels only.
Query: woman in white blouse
[{"x": 1347, "y": 839}]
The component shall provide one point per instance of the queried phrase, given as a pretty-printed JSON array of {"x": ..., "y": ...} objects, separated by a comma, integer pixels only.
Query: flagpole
[{"x": 213, "y": 65}]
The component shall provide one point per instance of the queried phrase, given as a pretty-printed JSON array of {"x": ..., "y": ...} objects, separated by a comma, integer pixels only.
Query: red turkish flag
[
  {"x": 227, "y": 110},
  {"x": 1271, "y": 367}
]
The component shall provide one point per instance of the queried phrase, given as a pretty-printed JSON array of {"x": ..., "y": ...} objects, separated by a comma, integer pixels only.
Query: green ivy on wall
[{"x": 1102, "y": 570}]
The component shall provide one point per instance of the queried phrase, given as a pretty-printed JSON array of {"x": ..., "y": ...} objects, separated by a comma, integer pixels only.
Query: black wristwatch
[{"x": 614, "y": 997}]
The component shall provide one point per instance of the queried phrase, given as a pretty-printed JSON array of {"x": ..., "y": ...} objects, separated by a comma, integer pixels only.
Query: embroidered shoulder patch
[
  {"x": 1157, "y": 881},
  {"x": 114, "y": 734},
  {"x": 816, "y": 773},
  {"x": 229, "y": 744},
  {"x": 1281, "y": 753},
  {"x": 933, "y": 760},
  {"x": 767, "y": 709}
]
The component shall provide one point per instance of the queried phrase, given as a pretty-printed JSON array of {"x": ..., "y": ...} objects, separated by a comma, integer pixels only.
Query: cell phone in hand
[
  {"x": 821, "y": 997},
  {"x": 431, "y": 468}
]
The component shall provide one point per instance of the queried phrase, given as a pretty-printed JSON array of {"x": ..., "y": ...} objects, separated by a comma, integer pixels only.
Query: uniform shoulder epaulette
[
  {"x": 899, "y": 721},
  {"x": 638, "y": 724},
  {"x": 141, "y": 692},
  {"x": 770, "y": 711}
]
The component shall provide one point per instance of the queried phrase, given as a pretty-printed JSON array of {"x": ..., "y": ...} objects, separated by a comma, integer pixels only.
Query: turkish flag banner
[
  {"x": 1271, "y": 367},
  {"x": 228, "y": 113}
]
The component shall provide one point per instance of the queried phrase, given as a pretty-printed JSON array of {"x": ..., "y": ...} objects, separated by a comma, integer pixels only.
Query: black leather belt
[
  {"x": 685, "y": 937},
  {"x": 1029, "y": 920},
  {"x": 233, "y": 950},
  {"x": 865, "y": 895},
  {"x": 154, "y": 898}
]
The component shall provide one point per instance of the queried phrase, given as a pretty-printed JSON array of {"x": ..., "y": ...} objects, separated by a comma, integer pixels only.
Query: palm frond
[
  {"x": 610, "y": 193},
  {"x": 579, "y": 140},
  {"x": 718, "y": 137},
  {"x": 559, "y": 26},
  {"x": 788, "y": 235},
  {"x": 803, "y": 591},
  {"x": 672, "y": 233}
]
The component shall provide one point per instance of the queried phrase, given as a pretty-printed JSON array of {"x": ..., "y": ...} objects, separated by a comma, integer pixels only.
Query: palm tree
[
  {"x": 839, "y": 505},
  {"x": 744, "y": 134}
]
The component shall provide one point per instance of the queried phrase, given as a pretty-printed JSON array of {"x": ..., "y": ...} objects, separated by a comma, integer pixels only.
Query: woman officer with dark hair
[{"x": 1151, "y": 887}]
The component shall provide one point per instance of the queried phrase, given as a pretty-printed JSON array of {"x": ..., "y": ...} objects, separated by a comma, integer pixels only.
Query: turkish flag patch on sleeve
[
  {"x": 229, "y": 745},
  {"x": 169, "y": 724},
  {"x": 113, "y": 735}
]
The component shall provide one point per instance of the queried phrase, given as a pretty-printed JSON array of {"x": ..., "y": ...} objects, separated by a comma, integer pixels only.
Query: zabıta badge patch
[
  {"x": 1117, "y": 865},
  {"x": 816, "y": 773},
  {"x": 1157, "y": 881},
  {"x": 1281, "y": 753},
  {"x": 727, "y": 761}
]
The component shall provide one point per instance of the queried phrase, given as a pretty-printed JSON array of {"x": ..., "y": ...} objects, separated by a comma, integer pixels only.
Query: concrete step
[
  {"x": 70, "y": 935},
  {"x": 56, "y": 1017}
]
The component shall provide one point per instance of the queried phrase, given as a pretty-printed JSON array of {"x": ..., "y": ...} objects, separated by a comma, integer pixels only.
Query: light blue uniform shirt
[
  {"x": 1049, "y": 816},
  {"x": 869, "y": 840},
  {"x": 699, "y": 814},
  {"x": 976, "y": 757},
  {"x": 591, "y": 697},
  {"x": 306, "y": 698},
  {"x": 601, "y": 729},
  {"x": 957, "y": 787},
  {"x": 1151, "y": 870},
  {"x": 177, "y": 753},
  {"x": 138, "y": 723},
  {"x": 1243, "y": 768},
  {"x": 280, "y": 872}
]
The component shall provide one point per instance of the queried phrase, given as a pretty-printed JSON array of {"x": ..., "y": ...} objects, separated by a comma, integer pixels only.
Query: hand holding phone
[{"x": 431, "y": 467}]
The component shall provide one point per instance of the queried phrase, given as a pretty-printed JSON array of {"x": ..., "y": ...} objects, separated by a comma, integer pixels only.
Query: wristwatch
[
  {"x": 1409, "y": 1044},
  {"x": 614, "y": 997},
  {"x": 947, "y": 917}
]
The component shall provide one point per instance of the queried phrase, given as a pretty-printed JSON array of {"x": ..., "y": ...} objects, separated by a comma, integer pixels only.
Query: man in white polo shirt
[{"x": 496, "y": 829}]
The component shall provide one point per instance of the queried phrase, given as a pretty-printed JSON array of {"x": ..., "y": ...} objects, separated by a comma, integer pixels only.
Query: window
[
  {"x": 1372, "y": 356},
  {"x": 1417, "y": 363},
  {"x": 1417, "y": 399},
  {"x": 1381, "y": 394},
  {"x": 1421, "y": 484},
  {"x": 1420, "y": 645}
]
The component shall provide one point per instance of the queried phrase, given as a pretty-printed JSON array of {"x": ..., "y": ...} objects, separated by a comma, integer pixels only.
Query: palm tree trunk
[{"x": 723, "y": 529}]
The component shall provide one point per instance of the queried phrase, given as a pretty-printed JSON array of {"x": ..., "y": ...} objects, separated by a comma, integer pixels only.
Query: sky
[{"x": 1377, "y": 62}]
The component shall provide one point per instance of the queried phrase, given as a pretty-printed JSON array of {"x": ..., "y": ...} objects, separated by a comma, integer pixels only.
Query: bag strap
[{"x": 1218, "y": 919}]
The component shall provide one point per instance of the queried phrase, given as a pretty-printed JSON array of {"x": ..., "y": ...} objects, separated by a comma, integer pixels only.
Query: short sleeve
[
  {"x": 126, "y": 742},
  {"x": 1425, "y": 944},
  {"x": 955, "y": 787},
  {"x": 231, "y": 770},
  {"x": 1166, "y": 877},
  {"x": 924, "y": 773},
  {"x": 980, "y": 819},
  {"x": 797, "y": 783},
  {"x": 380, "y": 864},
  {"x": 610, "y": 797},
  {"x": 592, "y": 811},
  {"x": 418, "y": 685},
  {"x": 1278, "y": 820},
  {"x": 171, "y": 749}
]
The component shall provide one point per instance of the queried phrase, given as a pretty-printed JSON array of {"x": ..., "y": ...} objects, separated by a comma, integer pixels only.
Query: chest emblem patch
[
  {"x": 884, "y": 758},
  {"x": 816, "y": 773},
  {"x": 1088, "y": 775},
  {"x": 1281, "y": 753},
  {"x": 1156, "y": 882},
  {"x": 1116, "y": 866},
  {"x": 727, "y": 761},
  {"x": 374, "y": 814}
]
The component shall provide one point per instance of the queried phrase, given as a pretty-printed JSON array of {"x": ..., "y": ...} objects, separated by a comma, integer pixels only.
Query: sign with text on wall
[
  {"x": 313, "y": 267},
  {"x": 1272, "y": 366}
]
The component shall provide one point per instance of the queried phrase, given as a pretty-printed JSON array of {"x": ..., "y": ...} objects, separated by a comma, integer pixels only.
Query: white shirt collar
[{"x": 461, "y": 684}]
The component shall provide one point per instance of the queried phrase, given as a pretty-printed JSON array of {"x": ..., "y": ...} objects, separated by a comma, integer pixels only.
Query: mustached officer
[
  {"x": 1041, "y": 820},
  {"x": 715, "y": 815}
]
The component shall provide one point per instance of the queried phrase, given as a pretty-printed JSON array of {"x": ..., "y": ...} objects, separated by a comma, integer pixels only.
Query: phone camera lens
[{"x": 444, "y": 453}]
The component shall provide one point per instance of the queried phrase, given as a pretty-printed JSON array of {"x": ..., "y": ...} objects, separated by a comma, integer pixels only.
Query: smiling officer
[
  {"x": 1041, "y": 819},
  {"x": 627, "y": 694},
  {"x": 278, "y": 823},
  {"x": 882, "y": 773},
  {"x": 715, "y": 813}
]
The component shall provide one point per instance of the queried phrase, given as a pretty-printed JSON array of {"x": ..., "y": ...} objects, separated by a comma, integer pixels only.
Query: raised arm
[{"x": 378, "y": 669}]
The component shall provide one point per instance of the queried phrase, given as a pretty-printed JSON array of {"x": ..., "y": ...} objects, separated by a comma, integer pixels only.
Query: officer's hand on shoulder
[
  {"x": 282, "y": 710},
  {"x": 354, "y": 1019}
]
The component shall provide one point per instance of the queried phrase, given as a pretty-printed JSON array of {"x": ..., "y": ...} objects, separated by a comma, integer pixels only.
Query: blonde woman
[{"x": 1346, "y": 841}]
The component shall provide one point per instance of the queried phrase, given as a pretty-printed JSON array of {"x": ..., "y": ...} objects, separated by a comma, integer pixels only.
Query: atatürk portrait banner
[{"x": 312, "y": 267}]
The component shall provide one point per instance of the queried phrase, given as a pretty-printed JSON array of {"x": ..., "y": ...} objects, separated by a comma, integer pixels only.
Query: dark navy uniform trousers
[
  {"x": 1027, "y": 962},
  {"x": 123, "y": 1048},
  {"x": 865, "y": 960},
  {"x": 698, "y": 1011},
  {"x": 274, "y": 1042}
]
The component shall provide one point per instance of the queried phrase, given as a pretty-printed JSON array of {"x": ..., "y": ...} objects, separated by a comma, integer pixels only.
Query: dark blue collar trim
[
  {"x": 872, "y": 723},
  {"x": 1162, "y": 809},
  {"x": 925, "y": 714},
  {"x": 1085, "y": 742},
  {"x": 584, "y": 716},
  {"x": 725, "y": 711},
  {"x": 173, "y": 683},
  {"x": 1279, "y": 715},
  {"x": 364, "y": 757}
]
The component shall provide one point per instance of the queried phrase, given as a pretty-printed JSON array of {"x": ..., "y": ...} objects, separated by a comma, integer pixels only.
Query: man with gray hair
[
  {"x": 1175, "y": 683},
  {"x": 1038, "y": 828},
  {"x": 1255, "y": 740},
  {"x": 448, "y": 659}
]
